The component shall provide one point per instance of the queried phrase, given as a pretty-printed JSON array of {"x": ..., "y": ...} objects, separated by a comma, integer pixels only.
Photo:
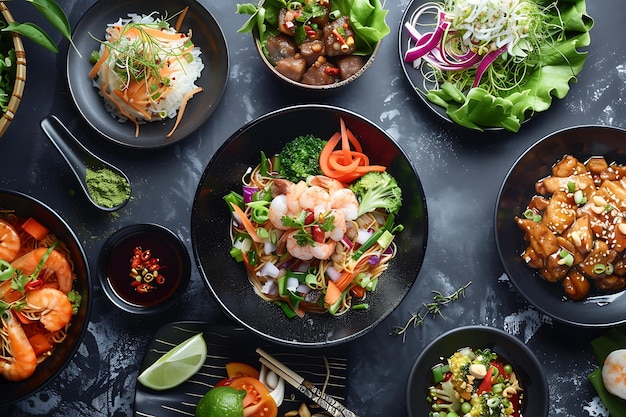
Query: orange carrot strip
[
  {"x": 345, "y": 143},
  {"x": 336, "y": 162},
  {"x": 181, "y": 17},
  {"x": 186, "y": 98},
  {"x": 247, "y": 224},
  {"x": 40, "y": 343},
  {"x": 34, "y": 228},
  {"x": 333, "y": 293}
]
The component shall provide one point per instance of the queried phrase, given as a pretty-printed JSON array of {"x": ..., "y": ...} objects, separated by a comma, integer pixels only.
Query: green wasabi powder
[{"x": 106, "y": 187}]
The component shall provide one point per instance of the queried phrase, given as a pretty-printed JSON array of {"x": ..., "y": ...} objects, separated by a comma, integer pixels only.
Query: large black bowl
[
  {"x": 527, "y": 368},
  {"x": 227, "y": 279},
  {"x": 207, "y": 35},
  {"x": 25, "y": 206},
  {"x": 517, "y": 189}
]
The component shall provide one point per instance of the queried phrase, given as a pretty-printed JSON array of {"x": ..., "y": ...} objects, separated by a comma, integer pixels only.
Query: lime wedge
[{"x": 176, "y": 366}]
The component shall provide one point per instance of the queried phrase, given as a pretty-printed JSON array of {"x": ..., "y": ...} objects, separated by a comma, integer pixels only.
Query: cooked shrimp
[
  {"x": 346, "y": 201},
  {"x": 316, "y": 199},
  {"x": 55, "y": 307},
  {"x": 340, "y": 225},
  {"x": 297, "y": 251},
  {"x": 56, "y": 262},
  {"x": 614, "y": 373},
  {"x": 331, "y": 184},
  {"x": 23, "y": 361},
  {"x": 293, "y": 197},
  {"x": 277, "y": 210},
  {"x": 308, "y": 252},
  {"x": 10, "y": 241}
]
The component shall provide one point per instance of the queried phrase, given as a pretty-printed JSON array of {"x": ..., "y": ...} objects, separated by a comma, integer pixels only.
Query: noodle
[
  {"x": 310, "y": 299},
  {"x": 33, "y": 301}
]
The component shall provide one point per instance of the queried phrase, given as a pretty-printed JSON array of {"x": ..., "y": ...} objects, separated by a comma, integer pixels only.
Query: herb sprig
[{"x": 430, "y": 309}]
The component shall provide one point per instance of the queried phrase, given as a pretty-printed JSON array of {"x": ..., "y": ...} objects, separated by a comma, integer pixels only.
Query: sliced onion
[
  {"x": 268, "y": 270},
  {"x": 292, "y": 284},
  {"x": 303, "y": 289},
  {"x": 270, "y": 287},
  {"x": 332, "y": 273},
  {"x": 346, "y": 241},
  {"x": 373, "y": 260},
  {"x": 363, "y": 235},
  {"x": 429, "y": 41},
  {"x": 484, "y": 64}
]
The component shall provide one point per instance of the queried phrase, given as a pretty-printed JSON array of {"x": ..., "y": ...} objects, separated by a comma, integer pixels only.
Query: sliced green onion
[
  {"x": 579, "y": 197},
  {"x": 6, "y": 270},
  {"x": 599, "y": 269},
  {"x": 571, "y": 186},
  {"x": 609, "y": 268},
  {"x": 361, "y": 306}
]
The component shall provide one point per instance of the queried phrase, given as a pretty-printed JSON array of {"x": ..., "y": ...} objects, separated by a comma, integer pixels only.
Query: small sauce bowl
[{"x": 144, "y": 268}]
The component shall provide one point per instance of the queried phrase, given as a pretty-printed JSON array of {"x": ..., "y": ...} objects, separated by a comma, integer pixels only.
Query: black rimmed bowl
[
  {"x": 518, "y": 188},
  {"x": 140, "y": 294},
  {"x": 24, "y": 207},
  {"x": 207, "y": 35},
  {"x": 526, "y": 366},
  {"x": 210, "y": 225}
]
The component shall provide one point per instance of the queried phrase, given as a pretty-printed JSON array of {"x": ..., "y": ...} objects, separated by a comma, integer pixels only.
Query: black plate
[
  {"x": 526, "y": 366},
  {"x": 227, "y": 279},
  {"x": 206, "y": 34},
  {"x": 517, "y": 189},
  {"x": 25, "y": 207},
  {"x": 226, "y": 343},
  {"x": 414, "y": 75}
]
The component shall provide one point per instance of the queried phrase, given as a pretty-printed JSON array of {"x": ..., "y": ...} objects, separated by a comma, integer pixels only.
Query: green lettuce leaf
[
  {"x": 612, "y": 340},
  {"x": 560, "y": 63},
  {"x": 366, "y": 16}
]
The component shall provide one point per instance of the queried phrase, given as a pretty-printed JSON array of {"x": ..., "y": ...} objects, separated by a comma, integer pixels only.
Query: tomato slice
[
  {"x": 237, "y": 369},
  {"x": 258, "y": 402}
]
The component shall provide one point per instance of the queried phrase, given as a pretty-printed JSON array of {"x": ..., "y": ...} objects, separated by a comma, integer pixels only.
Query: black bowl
[
  {"x": 227, "y": 280},
  {"x": 517, "y": 189},
  {"x": 527, "y": 368},
  {"x": 207, "y": 35},
  {"x": 25, "y": 207},
  {"x": 114, "y": 268}
]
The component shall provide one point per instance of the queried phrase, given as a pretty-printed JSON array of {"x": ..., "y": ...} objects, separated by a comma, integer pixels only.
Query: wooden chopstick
[{"x": 291, "y": 377}]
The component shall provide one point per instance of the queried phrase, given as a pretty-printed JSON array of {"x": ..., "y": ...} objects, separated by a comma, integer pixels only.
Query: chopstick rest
[{"x": 325, "y": 401}]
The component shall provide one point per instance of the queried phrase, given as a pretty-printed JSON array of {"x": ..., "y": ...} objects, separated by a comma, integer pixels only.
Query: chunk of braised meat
[
  {"x": 580, "y": 235},
  {"x": 612, "y": 193},
  {"x": 292, "y": 67},
  {"x": 610, "y": 283},
  {"x": 349, "y": 65},
  {"x": 576, "y": 285},
  {"x": 561, "y": 212},
  {"x": 539, "y": 236},
  {"x": 567, "y": 166},
  {"x": 279, "y": 47},
  {"x": 552, "y": 184},
  {"x": 554, "y": 269},
  {"x": 287, "y": 21},
  {"x": 538, "y": 203},
  {"x": 321, "y": 73},
  {"x": 600, "y": 254},
  {"x": 619, "y": 264},
  {"x": 322, "y": 20},
  {"x": 311, "y": 51},
  {"x": 339, "y": 37},
  {"x": 613, "y": 173},
  {"x": 596, "y": 165}
]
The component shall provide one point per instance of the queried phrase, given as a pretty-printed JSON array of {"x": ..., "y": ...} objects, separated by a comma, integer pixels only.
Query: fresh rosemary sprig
[{"x": 432, "y": 308}]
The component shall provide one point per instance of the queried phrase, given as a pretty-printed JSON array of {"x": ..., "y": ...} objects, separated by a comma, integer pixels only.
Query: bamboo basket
[{"x": 20, "y": 76}]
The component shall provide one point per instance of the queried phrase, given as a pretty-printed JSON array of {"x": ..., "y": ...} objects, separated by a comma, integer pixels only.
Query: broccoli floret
[
  {"x": 445, "y": 398},
  {"x": 75, "y": 299},
  {"x": 376, "y": 190},
  {"x": 300, "y": 158}
]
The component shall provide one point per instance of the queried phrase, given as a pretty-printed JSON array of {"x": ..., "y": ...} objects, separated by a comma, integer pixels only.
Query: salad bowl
[
  {"x": 529, "y": 370},
  {"x": 227, "y": 280},
  {"x": 473, "y": 101}
]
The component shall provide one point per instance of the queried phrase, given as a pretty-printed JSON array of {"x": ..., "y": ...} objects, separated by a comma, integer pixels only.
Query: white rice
[{"x": 182, "y": 78}]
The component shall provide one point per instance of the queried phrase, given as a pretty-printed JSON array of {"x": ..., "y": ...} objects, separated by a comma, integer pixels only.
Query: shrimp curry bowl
[
  {"x": 44, "y": 295},
  {"x": 309, "y": 225}
]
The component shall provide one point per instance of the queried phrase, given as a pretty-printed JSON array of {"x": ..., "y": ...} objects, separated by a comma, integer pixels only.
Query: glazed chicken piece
[
  {"x": 600, "y": 254},
  {"x": 561, "y": 212},
  {"x": 539, "y": 236},
  {"x": 576, "y": 285},
  {"x": 552, "y": 184},
  {"x": 580, "y": 235}
]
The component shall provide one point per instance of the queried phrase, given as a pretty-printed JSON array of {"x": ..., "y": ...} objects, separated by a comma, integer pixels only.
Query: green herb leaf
[
  {"x": 54, "y": 14},
  {"x": 34, "y": 33}
]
